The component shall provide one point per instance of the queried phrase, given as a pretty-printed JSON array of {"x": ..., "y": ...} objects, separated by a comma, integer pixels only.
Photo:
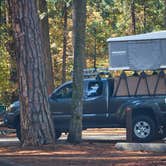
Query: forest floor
[{"x": 90, "y": 152}]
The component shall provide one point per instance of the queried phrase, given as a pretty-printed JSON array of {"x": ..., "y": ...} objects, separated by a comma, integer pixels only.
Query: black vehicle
[{"x": 105, "y": 103}]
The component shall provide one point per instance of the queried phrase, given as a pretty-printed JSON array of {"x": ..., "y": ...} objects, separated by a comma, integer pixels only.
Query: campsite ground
[{"x": 93, "y": 151}]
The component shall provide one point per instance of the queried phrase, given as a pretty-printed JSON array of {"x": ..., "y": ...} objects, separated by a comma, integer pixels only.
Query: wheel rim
[{"x": 142, "y": 129}]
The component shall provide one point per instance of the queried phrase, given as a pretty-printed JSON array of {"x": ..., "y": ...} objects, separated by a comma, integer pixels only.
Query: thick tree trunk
[
  {"x": 133, "y": 17},
  {"x": 64, "y": 43},
  {"x": 46, "y": 44},
  {"x": 36, "y": 123},
  {"x": 79, "y": 21}
]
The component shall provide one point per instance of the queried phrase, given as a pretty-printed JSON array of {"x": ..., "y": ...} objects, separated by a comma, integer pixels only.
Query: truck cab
[{"x": 95, "y": 110}]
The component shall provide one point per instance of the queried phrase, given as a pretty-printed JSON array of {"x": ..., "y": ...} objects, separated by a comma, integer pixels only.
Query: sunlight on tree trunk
[{"x": 46, "y": 44}]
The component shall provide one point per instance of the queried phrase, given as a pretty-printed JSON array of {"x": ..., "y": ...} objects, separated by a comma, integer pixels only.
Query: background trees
[
  {"x": 105, "y": 18},
  {"x": 5, "y": 86}
]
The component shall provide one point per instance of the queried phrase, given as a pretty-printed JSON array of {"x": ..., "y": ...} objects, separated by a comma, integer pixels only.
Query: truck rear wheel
[{"x": 143, "y": 129}]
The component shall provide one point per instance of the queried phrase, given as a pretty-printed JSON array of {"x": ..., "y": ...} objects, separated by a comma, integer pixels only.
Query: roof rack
[
  {"x": 109, "y": 72},
  {"x": 95, "y": 72}
]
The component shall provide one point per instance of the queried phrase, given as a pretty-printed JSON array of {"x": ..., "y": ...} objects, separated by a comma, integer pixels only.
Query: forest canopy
[{"x": 105, "y": 18}]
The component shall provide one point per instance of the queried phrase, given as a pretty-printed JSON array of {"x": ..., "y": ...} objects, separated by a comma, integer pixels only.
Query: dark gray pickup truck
[{"x": 105, "y": 103}]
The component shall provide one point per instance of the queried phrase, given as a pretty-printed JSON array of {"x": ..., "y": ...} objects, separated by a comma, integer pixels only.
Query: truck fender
[{"x": 151, "y": 109}]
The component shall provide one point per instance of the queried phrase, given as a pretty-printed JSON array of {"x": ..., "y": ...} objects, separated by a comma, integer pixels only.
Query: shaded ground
[{"x": 88, "y": 153}]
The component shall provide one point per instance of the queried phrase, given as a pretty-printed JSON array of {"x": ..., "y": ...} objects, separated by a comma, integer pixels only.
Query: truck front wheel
[
  {"x": 18, "y": 132},
  {"x": 143, "y": 129}
]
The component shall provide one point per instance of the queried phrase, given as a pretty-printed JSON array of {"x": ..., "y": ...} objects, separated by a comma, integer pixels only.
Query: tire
[
  {"x": 57, "y": 134},
  {"x": 143, "y": 129},
  {"x": 18, "y": 131}
]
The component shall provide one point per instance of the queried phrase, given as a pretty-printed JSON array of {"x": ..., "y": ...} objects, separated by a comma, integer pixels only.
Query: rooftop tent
[{"x": 138, "y": 52}]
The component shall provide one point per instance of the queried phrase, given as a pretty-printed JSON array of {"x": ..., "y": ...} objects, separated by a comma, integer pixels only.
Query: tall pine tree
[{"x": 36, "y": 122}]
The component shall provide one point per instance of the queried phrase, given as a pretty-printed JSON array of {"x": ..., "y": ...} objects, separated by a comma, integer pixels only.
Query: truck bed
[{"x": 140, "y": 85}]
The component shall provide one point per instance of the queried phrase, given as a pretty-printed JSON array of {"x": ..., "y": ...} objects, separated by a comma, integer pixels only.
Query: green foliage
[
  {"x": 105, "y": 18},
  {"x": 5, "y": 86},
  {"x": 56, "y": 12}
]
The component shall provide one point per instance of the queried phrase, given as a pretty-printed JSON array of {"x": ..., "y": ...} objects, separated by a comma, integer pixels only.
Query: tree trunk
[
  {"x": 133, "y": 17},
  {"x": 64, "y": 43},
  {"x": 95, "y": 50},
  {"x": 145, "y": 21},
  {"x": 79, "y": 21},
  {"x": 1, "y": 12},
  {"x": 36, "y": 123},
  {"x": 7, "y": 13},
  {"x": 165, "y": 16},
  {"x": 42, "y": 4}
]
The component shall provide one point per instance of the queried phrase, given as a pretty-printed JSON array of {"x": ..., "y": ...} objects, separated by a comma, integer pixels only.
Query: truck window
[
  {"x": 95, "y": 88},
  {"x": 63, "y": 93}
]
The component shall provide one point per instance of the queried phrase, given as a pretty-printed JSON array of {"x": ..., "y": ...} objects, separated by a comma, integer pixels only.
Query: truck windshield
[{"x": 64, "y": 92}]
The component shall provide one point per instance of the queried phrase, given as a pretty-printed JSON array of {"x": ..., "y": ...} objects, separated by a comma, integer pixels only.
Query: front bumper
[{"x": 9, "y": 120}]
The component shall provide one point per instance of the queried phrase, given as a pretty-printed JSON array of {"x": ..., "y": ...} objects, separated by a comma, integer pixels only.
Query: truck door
[
  {"x": 95, "y": 109},
  {"x": 60, "y": 105}
]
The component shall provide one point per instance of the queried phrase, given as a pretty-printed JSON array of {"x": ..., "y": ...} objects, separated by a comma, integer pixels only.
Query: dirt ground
[{"x": 88, "y": 153}]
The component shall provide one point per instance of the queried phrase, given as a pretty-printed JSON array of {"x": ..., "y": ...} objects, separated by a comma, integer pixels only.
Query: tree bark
[
  {"x": 133, "y": 17},
  {"x": 1, "y": 12},
  {"x": 165, "y": 15},
  {"x": 36, "y": 123},
  {"x": 79, "y": 21},
  {"x": 46, "y": 44},
  {"x": 7, "y": 13},
  {"x": 64, "y": 43},
  {"x": 145, "y": 20}
]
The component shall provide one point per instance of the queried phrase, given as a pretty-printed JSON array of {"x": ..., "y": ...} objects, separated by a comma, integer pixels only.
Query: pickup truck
[{"x": 105, "y": 104}]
